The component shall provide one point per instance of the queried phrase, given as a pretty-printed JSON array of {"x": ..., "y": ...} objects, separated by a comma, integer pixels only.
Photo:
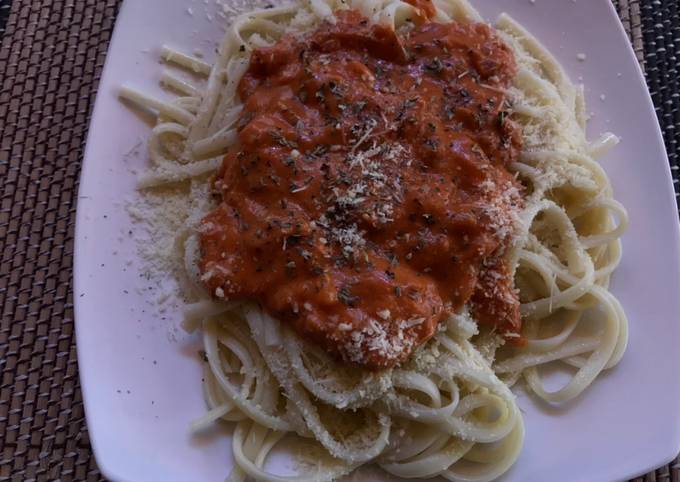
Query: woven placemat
[{"x": 51, "y": 56}]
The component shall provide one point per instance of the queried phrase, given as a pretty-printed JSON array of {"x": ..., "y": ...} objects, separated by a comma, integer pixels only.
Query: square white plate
[{"x": 140, "y": 375}]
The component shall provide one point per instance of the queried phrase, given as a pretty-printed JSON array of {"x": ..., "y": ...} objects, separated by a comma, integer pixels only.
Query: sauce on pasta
[{"x": 368, "y": 196}]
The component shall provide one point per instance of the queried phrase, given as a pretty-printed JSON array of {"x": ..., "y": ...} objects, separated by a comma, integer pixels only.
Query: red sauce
[
  {"x": 424, "y": 10},
  {"x": 368, "y": 196}
]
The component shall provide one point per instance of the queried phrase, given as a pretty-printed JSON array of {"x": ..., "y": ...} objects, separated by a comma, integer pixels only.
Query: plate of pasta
[{"x": 376, "y": 240}]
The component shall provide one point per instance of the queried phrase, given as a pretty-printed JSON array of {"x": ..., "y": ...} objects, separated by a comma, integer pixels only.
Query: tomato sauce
[
  {"x": 368, "y": 196},
  {"x": 423, "y": 10}
]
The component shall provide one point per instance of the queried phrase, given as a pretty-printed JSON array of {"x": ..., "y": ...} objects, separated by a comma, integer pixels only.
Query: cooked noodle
[{"x": 448, "y": 411}]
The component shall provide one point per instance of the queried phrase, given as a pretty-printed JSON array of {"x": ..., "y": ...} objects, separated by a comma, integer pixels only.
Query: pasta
[{"x": 448, "y": 410}]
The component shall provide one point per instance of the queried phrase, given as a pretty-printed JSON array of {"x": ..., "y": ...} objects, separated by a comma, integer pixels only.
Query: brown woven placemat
[{"x": 51, "y": 57}]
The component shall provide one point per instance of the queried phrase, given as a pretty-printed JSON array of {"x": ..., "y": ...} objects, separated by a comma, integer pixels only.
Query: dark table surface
[{"x": 51, "y": 56}]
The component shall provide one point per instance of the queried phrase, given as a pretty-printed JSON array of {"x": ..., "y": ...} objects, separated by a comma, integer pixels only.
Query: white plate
[{"x": 140, "y": 376}]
